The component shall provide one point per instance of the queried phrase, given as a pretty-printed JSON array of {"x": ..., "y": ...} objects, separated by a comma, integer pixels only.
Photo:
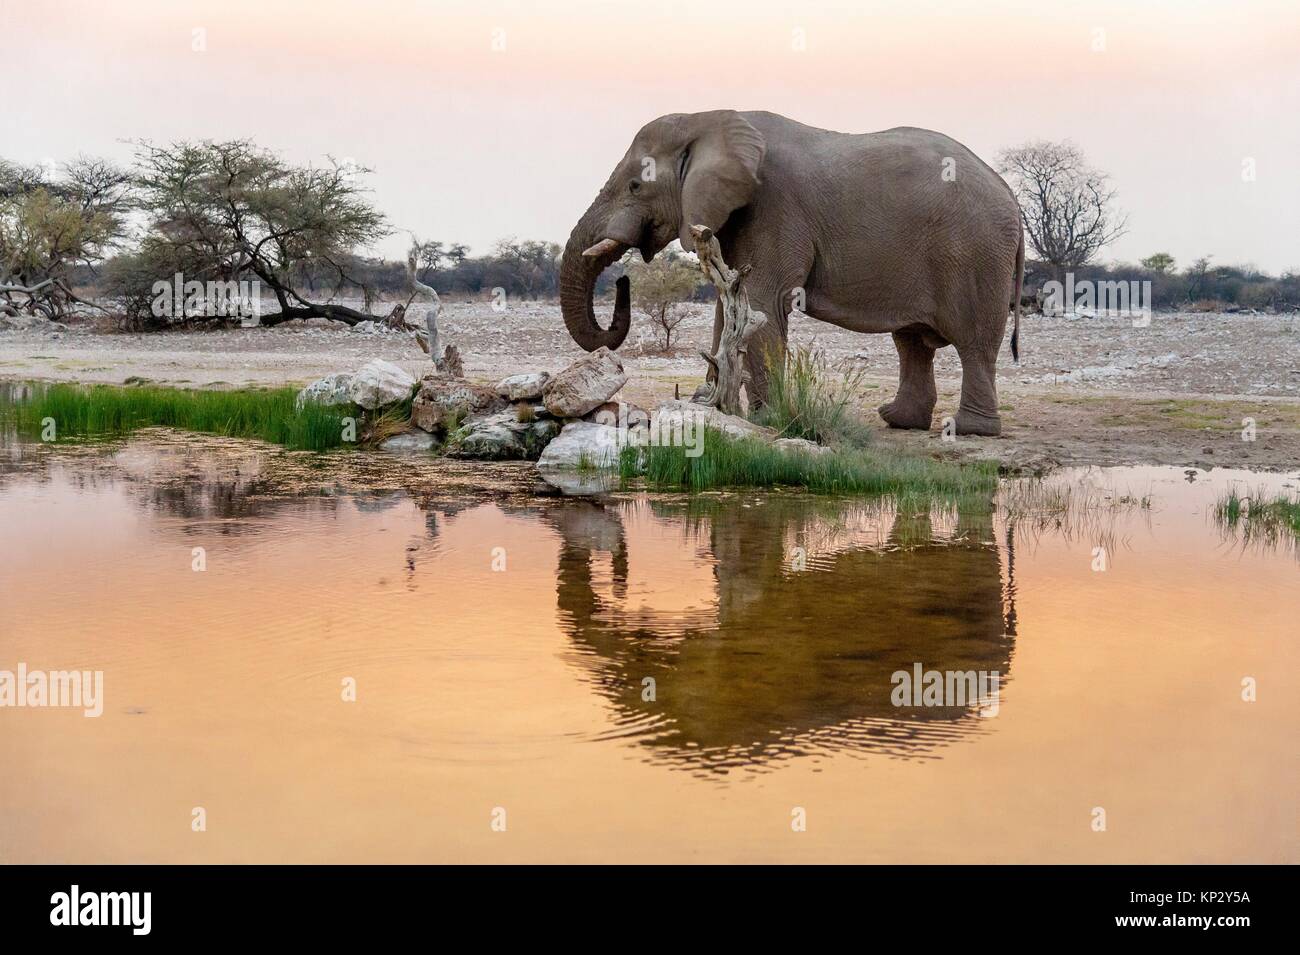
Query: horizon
[{"x": 417, "y": 92}]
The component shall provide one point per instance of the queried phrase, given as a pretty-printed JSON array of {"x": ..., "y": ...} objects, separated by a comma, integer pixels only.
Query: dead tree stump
[
  {"x": 446, "y": 362},
  {"x": 450, "y": 363},
  {"x": 397, "y": 317},
  {"x": 739, "y": 323}
]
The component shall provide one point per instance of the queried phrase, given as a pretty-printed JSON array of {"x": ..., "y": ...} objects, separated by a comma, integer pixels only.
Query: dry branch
[
  {"x": 447, "y": 362},
  {"x": 739, "y": 323}
]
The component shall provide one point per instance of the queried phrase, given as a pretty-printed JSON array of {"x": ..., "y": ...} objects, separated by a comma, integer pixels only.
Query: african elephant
[
  {"x": 903, "y": 231},
  {"x": 782, "y": 661}
]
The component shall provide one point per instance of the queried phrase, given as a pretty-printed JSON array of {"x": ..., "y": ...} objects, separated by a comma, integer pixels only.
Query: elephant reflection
[{"x": 811, "y": 623}]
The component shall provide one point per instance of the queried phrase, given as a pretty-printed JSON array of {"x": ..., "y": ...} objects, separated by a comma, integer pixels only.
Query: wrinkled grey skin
[{"x": 866, "y": 224}]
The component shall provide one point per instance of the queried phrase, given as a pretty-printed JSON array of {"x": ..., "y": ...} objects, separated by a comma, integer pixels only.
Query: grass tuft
[
  {"x": 1260, "y": 517},
  {"x": 83, "y": 411},
  {"x": 807, "y": 399},
  {"x": 752, "y": 462}
]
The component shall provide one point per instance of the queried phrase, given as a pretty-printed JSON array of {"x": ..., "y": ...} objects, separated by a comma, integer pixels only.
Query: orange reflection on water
[{"x": 525, "y": 687}]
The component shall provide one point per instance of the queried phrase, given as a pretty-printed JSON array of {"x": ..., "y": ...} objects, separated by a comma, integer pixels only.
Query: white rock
[
  {"x": 380, "y": 383},
  {"x": 579, "y": 444},
  {"x": 333, "y": 389},
  {"x": 24, "y": 322},
  {"x": 502, "y": 436},
  {"x": 366, "y": 328},
  {"x": 683, "y": 413},
  {"x": 590, "y": 381},
  {"x": 443, "y": 400},
  {"x": 523, "y": 387},
  {"x": 409, "y": 442}
]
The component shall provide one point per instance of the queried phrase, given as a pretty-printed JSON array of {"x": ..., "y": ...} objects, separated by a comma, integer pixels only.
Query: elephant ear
[{"x": 721, "y": 169}]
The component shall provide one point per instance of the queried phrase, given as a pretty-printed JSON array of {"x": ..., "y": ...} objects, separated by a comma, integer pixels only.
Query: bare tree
[
  {"x": 1197, "y": 273},
  {"x": 661, "y": 287},
  {"x": 1068, "y": 206},
  {"x": 448, "y": 361}
]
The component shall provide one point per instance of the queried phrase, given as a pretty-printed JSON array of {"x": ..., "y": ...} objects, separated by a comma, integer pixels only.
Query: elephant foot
[
  {"x": 904, "y": 414},
  {"x": 972, "y": 422}
]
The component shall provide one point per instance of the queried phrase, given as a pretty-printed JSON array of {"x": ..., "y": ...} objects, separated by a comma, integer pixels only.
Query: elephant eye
[{"x": 634, "y": 186}]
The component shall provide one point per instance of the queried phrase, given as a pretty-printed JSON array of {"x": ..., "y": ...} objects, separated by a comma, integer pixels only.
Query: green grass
[
  {"x": 1260, "y": 516},
  {"x": 806, "y": 399},
  {"x": 751, "y": 462},
  {"x": 85, "y": 411}
]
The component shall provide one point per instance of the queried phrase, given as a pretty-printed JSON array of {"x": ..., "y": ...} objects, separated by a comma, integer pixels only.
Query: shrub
[{"x": 806, "y": 399}]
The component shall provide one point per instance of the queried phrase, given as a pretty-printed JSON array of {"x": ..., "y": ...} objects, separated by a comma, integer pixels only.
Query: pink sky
[{"x": 470, "y": 143}]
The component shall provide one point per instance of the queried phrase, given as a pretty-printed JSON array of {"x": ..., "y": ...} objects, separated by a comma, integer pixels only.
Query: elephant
[
  {"x": 785, "y": 660},
  {"x": 903, "y": 231}
]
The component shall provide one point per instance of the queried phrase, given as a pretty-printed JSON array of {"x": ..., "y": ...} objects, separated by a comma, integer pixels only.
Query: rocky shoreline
[{"x": 567, "y": 423}]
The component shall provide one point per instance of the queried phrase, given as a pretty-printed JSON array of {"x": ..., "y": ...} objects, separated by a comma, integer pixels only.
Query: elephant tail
[{"x": 1020, "y": 284}]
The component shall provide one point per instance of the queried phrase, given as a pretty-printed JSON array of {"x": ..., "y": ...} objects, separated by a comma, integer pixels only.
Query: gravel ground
[{"x": 1087, "y": 390}]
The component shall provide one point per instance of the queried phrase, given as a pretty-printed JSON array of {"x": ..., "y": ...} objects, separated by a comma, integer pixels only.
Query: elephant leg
[
  {"x": 978, "y": 411},
  {"x": 765, "y": 350},
  {"x": 913, "y": 406}
]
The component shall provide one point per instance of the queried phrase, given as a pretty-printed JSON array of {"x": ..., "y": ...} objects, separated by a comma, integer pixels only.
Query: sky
[{"x": 488, "y": 118}]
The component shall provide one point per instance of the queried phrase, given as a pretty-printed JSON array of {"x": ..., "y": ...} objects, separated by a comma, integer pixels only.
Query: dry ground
[{"x": 1087, "y": 390}]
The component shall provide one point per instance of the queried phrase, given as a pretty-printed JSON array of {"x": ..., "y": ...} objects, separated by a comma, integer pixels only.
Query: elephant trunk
[{"x": 578, "y": 275}]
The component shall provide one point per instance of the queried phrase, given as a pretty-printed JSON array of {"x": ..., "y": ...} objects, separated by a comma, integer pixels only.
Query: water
[{"x": 502, "y": 645}]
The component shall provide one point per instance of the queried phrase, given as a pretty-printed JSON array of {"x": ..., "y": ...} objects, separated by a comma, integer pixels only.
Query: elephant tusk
[{"x": 602, "y": 247}]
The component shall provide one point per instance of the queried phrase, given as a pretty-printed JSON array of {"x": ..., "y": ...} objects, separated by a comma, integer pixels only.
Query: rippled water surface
[{"x": 634, "y": 678}]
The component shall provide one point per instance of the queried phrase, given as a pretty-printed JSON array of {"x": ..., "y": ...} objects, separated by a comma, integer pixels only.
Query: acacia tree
[
  {"x": 457, "y": 253},
  {"x": 430, "y": 256},
  {"x": 1162, "y": 263},
  {"x": 1068, "y": 206},
  {"x": 231, "y": 209},
  {"x": 51, "y": 222}
]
